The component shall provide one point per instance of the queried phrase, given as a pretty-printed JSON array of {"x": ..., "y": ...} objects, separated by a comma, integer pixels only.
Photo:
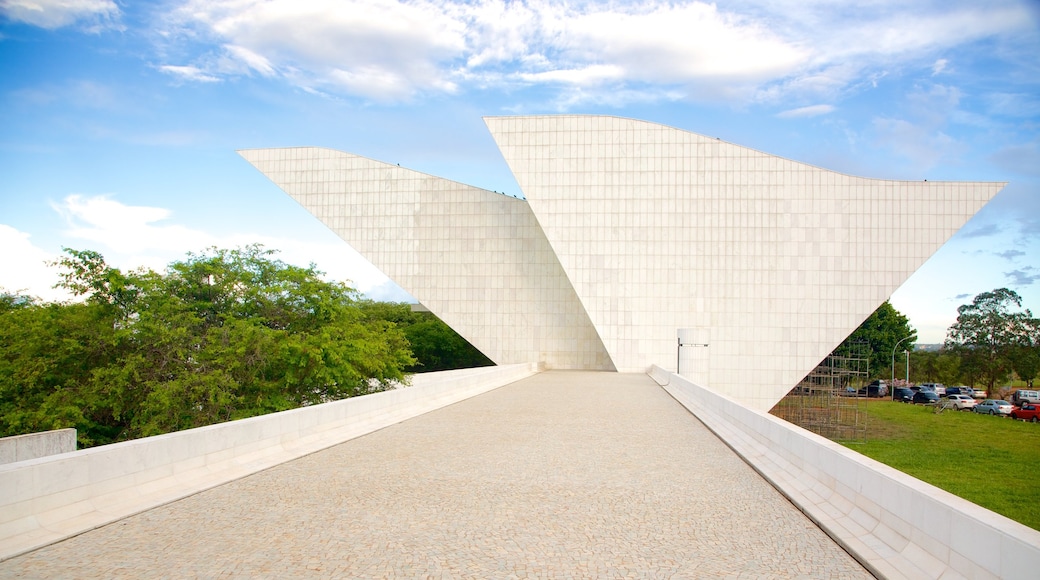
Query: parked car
[
  {"x": 994, "y": 407},
  {"x": 954, "y": 391},
  {"x": 1025, "y": 396},
  {"x": 925, "y": 397},
  {"x": 902, "y": 394},
  {"x": 937, "y": 388},
  {"x": 966, "y": 390},
  {"x": 1027, "y": 412},
  {"x": 961, "y": 402},
  {"x": 875, "y": 389}
]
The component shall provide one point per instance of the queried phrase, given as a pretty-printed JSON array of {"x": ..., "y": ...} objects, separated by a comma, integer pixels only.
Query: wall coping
[
  {"x": 34, "y": 445},
  {"x": 896, "y": 525},
  {"x": 48, "y": 499}
]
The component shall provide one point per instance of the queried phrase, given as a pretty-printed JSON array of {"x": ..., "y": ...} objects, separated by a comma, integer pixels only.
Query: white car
[
  {"x": 937, "y": 388},
  {"x": 994, "y": 407},
  {"x": 961, "y": 402}
]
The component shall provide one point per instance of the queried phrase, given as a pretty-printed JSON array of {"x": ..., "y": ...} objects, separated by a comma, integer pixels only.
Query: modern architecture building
[{"x": 634, "y": 237}]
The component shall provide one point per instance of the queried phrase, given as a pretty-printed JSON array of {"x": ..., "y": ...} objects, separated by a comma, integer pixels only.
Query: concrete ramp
[{"x": 564, "y": 474}]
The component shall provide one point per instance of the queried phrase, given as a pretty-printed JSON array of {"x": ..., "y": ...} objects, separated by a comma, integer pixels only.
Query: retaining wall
[
  {"x": 896, "y": 525},
  {"x": 34, "y": 445},
  {"x": 48, "y": 499}
]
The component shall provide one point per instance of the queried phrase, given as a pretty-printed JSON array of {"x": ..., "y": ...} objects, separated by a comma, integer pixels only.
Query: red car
[{"x": 1027, "y": 412}]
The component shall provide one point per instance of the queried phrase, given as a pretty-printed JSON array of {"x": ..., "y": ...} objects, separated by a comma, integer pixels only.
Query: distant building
[
  {"x": 630, "y": 232},
  {"x": 929, "y": 347}
]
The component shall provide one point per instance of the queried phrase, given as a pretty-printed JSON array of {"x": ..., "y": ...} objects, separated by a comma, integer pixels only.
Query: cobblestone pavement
[{"x": 562, "y": 475}]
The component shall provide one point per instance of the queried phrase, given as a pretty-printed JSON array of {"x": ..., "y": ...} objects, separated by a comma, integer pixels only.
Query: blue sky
[{"x": 119, "y": 121}]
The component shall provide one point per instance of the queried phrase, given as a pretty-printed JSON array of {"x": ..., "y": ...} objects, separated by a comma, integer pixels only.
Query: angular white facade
[
  {"x": 630, "y": 232},
  {"x": 475, "y": 258}
]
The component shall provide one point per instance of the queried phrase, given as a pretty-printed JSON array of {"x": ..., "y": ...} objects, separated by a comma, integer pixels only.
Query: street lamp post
[
  {"x": 894, "y": 358},
  {"x": 907, "y": 353}
]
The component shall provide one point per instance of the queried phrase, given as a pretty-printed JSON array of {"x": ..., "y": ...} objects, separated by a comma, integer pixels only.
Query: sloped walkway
[{"x": 562, "y": 475}]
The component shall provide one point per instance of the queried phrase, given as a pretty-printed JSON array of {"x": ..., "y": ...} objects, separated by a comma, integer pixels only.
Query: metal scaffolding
[{"x": 830, "y": 401}]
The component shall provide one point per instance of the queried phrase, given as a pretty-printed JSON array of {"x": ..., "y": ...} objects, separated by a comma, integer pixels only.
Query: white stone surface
[
  {"x": 48, "y": 499},
  {"x": 632, "y": 231},
  {"x": 563, "y": 475},
  {"x": 35, "y": 445},
  {"x": 475, "y": 258},
  {"x": 897, "y": 526},
  {"x": 777, "y": 261}
]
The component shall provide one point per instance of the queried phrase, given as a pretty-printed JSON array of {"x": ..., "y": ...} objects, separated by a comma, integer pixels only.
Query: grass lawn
[{"x": 993, "y": 462}]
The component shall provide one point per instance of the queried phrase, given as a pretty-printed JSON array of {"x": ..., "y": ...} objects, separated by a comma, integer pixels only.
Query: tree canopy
[
  {"x": 877, "y": 337},
  {"x": 988, "y": 332},
  {"x": 434, "y": 344},
  {"x": 221, "y": 335},
  {"x": 992, "y": 337},
  {"x": 1025, "y": 359}
]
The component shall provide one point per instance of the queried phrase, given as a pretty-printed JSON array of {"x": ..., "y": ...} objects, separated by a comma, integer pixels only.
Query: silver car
[
  {"x": 961, "y": 402},
  {"x": 994, "y": 407}
]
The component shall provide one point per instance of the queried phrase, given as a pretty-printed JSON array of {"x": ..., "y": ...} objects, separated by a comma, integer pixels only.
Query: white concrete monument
[{"x": 631, "y": 231}]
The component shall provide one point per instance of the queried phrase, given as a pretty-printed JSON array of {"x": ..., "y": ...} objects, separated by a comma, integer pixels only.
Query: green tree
[
  {"x": 987, "y": 333},
  {"x": 86, "y": 274},
  {"x": 222, "y": 335},
  {"x": 878, "y": 335},
  {"x": 11, "y": 301},
  {"x": 1025, "y": 359},
  {"x": 439, "y": 348},
  {"x": 47, "y": 356},
  {"x": 435, "y": 345},
  {"x": 935, "y": 366}
]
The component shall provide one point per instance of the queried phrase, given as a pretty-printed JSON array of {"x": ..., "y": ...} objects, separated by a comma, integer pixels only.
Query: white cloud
[
  {"x": 810, "y": 111},
  {"x": 250, "y": 60},
  {"x": 335, "y": 258},
  {"x": 895, "y": 30},
  {"x": 919, "y": 144},
  {"x": 679, "y": 43},
  {"x": 24, "y": 269},
  {"x": 129, "y": 230},
  {"x": 382, "y": 49},
  {"x": 501, "y": 32},
  {"x": 132, "y": 237},
  {"x": 588, "y": 76},
  {"x": 53, "y": 14},
  {"x": 189, "y": 73},
  {"x": 925, "y": 140},
  {"x": 379, "y": 83},
  {"x": 934, "y": 104},
  {"x": 393, "y": 50}
]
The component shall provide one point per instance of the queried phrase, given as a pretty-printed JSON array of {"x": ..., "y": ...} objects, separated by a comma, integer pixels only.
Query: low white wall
[
  {"x": 34, "y": 445},
  {"x": 48, "y": 499},
  {"x": 896, "y": 525}
]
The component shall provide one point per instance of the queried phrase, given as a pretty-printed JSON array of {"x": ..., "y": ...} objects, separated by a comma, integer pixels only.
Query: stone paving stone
[{"x": 562, "y": 475}]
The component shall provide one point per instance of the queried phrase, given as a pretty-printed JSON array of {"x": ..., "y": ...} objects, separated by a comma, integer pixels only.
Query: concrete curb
[
  {"x": 46, "y": 500},
  {"x": 895, "y": 525}
]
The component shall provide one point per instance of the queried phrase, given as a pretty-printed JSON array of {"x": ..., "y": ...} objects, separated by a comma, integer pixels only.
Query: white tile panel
[
  {"x": 660, "y": 229},
  {"x": 475, "y": 258},
  {"x": 632, "y": 231}
]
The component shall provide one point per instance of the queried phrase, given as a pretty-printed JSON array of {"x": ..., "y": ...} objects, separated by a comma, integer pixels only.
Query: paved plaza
[{"x": 562, "y": 475}]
